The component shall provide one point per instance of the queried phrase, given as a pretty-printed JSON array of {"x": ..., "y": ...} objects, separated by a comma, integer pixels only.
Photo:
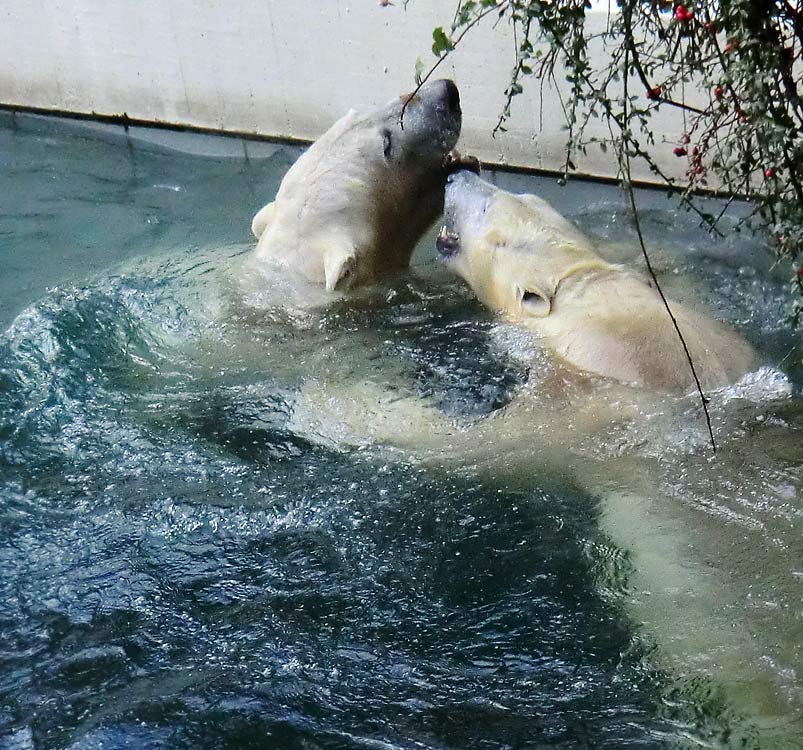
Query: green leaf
[
  {"x": 419, "y": 70},
  {"x": 440, "y": 42}
]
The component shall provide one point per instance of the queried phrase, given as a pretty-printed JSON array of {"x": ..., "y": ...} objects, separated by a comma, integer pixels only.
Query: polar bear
[
  {"x": 525, "y": 260},
  {"x": 352, "y": 208},
  {"x": 631, "y": 440}
]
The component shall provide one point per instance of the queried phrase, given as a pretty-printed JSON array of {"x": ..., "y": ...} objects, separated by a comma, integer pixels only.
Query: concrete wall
[{"x": 274, "y": 67}]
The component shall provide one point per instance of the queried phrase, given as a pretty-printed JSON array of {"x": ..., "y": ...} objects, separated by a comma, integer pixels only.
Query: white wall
[{"x": 273, "y": 67}]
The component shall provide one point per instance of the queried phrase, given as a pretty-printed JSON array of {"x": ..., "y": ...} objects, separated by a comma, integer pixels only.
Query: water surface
[{"x": 181, "y": 566}]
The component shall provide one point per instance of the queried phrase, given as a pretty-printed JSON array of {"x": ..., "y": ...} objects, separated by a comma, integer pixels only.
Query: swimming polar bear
[
  {"x": 352, "y": 208},
  {"x": 631, "y": 439},
  {"x": 525, "y": 260}
]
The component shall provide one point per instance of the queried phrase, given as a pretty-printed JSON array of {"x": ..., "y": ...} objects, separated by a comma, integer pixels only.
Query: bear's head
[
  {"x": 522, "y": 258},
  {"x": 513, "y": 250},
  {"x": 352, "y": 208}
]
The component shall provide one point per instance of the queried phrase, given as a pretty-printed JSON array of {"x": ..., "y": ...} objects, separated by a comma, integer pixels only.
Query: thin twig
[
  {"x": 624, "y": 160},
  {"x": 651, "y": 271},
  {"x": 443, "y": 56}
]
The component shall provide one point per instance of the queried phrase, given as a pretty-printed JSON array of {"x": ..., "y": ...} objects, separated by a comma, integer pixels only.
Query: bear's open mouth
[
  {"x": 455, "y": 162},
  {"x": 447, "y": 243}
]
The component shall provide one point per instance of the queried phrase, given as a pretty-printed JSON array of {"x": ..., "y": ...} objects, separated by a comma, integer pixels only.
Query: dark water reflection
[{"x": 178, "y": 572}]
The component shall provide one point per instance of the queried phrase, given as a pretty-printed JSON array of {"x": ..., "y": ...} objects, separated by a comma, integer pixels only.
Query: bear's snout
[
  {"x": 452, "y": 96},
  {"x": 441, "y": 92}
]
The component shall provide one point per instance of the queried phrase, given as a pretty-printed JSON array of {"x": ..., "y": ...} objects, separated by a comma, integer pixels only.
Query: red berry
[
  {"x": 712, "y": 27},
  {"x": 679, "y": 151},
  {"x": 682, "y": 13},
  {"x": 718, "y": 92},
  {"x": 769, "y": 172},
  {"x": 654, "y": 93}
]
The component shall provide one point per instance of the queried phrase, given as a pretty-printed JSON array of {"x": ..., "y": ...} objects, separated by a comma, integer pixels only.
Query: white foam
[{"x": 759, "y": 386}]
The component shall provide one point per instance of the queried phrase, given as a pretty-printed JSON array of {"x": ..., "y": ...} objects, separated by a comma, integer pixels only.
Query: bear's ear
[
  {"x": 338, "y": 265},
  {"x": 260, "y": 222},
  {"x": 536, "y": 302}
]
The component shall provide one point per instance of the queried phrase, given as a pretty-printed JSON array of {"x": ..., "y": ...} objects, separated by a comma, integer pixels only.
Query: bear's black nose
[{"x": 452, "y": 95}]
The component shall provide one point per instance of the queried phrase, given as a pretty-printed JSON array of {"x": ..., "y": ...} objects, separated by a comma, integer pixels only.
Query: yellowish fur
[{"x": 529, "y": 263}]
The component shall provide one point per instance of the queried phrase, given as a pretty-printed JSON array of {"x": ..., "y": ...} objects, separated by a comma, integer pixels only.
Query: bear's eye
[{"x": 387, "y": 143}]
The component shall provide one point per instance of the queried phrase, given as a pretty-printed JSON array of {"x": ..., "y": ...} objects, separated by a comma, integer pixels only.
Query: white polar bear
[
  {"x": 352, "y": 208},
  {"x": 639, "y": 451},
  {"x": 525, "y": 260}
]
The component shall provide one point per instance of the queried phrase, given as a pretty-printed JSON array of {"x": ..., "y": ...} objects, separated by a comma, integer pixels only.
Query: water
[{"x": 183, "y": 565}]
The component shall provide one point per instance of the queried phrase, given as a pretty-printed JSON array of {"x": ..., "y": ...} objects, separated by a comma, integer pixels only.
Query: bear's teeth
[
  {"x": 447, "y": 243},
  {"x": 455, "y": 162}
]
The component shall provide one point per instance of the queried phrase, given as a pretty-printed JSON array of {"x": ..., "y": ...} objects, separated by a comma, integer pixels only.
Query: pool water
[{"x": 183, "y": 566}]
